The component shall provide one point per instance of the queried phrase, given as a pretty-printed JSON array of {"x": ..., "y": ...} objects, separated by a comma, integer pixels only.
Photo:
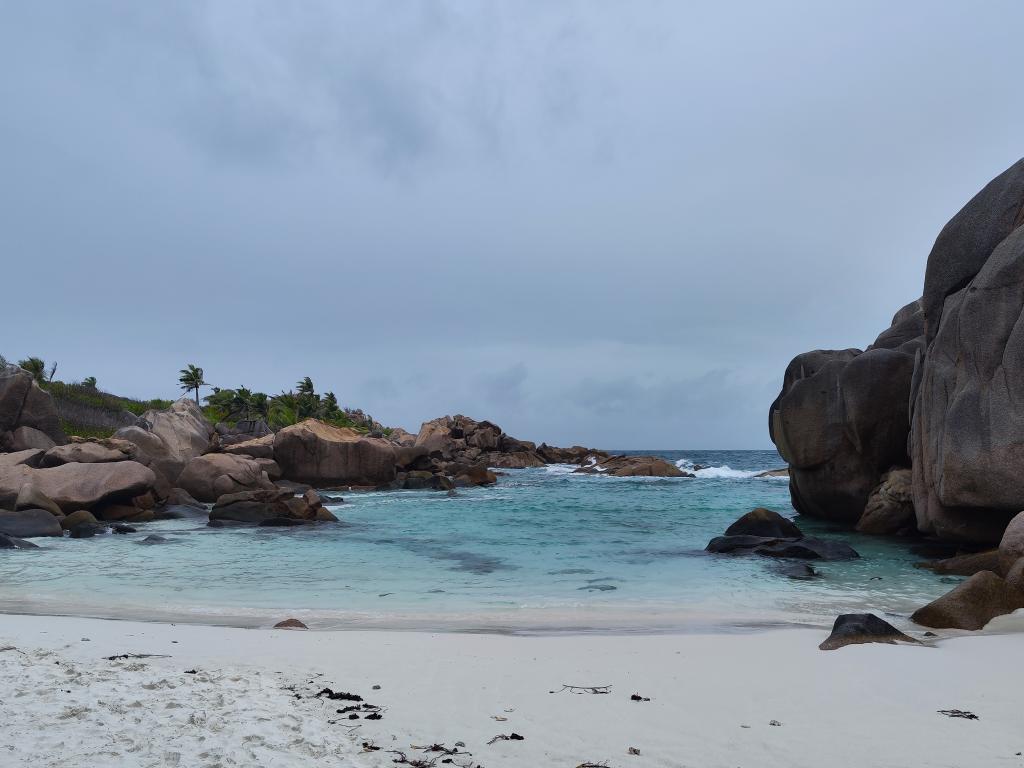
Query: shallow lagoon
[{"x": 544, "y": 550}]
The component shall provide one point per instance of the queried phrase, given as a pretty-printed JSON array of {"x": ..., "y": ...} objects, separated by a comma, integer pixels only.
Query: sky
[{"x": 603, "y": 223}]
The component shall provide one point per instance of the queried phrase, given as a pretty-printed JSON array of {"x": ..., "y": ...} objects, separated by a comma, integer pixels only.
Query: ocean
[{"x": 544, "y": 550}]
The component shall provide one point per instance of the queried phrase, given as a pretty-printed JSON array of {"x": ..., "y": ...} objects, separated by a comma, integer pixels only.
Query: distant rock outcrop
[
  {"x": 323, "y": 455},
  {"x": 23, "y": 404}
]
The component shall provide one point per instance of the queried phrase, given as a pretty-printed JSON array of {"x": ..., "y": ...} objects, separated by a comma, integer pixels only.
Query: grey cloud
[{"x": 600, "y": 223}]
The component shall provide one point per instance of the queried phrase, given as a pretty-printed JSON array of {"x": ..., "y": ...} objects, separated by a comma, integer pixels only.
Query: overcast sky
[{"x": 600, "y": 223}]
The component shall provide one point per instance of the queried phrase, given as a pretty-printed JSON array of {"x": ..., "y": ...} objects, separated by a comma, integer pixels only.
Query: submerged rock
[
  {"x": 12, "y": 542},
  {"x": 809, "y": 549},
  {"x": 856, "y": 628},
  {"x": 964, "y": 565},
  {"x": 972, "y": 604},
  {"x": 800, "y": 572}
]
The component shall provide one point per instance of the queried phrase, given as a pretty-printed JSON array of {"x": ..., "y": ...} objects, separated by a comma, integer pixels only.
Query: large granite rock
[
  {"x": 208, "y": 477},
  {"x": 29, "y": 524},
  {"x": 90, "y": 452},
  {"x": 256, "y": 448},
  {"x": 27, "y": 438},
  {"x": 79, "y": 486},
  {"x": 24, "y": 404},
  {"x": 252, "y": 506},
  {"x": 842, "y": 420},
  {"x": 168, "y": 440},
  {"x": 972, "y": 604},
  {"x": 967, "y": 444},
  {"x": 322, "y": 455}
]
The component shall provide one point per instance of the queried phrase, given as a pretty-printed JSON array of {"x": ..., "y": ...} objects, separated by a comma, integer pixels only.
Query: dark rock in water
[
  {"x": 972, "y": 604},
  {"x": 10, "y": 542},
  {"x": 599, "y": 587},
  {"x": 326, "y": 499},
  {"x": 808, "y": 549},
  {"x": 964, "y": 565},
  {"x": 726, "y": 544},
  {"x": 764, "y": 522},
  {"x": 154, "y": 539},
  {"x": 290, "y": 624},
  {"x": 252, "y": 506},
  {"x": 179, "y": 512},
  {"x": 29, "y": 523},
  {"x": 800, "y": 571},
  {"x": 226, "y": 524},
  {"x": 124, "y": 529},
  {"x": 86, "y": 530},
  {"x": 855, "y": 628},
  {"x": 282, "y": 522}
]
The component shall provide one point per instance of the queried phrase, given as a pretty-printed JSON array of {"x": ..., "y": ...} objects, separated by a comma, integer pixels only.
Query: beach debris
[
  {"x": 602, "y": 764},
  {"x": 581, "y": 689},
  {"x": 369, "y": 746},
  {"x": 376, "y": 687},
  {"x": 962, "y": 713},
  {"x": 439, "y": 752},
  {"x": 339, "y": 695},
  {"x": 499, "y": 718},
  {"x": 638, "y": 697},
  {"x": 120, "y": 656},
  {"x": 290, "y": 624},
  {"x": 191, "y": 671},
  {"x": 633, "y": 751},
  {"x": 776, "y": 723},
  {"x": 510, "y": 737}
]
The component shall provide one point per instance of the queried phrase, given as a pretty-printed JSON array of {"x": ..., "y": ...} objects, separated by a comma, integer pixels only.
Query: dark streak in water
[{"x": 569, "y": 571}]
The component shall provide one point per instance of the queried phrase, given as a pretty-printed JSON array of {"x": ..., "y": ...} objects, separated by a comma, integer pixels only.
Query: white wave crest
[{"x": 723, "y": 472}]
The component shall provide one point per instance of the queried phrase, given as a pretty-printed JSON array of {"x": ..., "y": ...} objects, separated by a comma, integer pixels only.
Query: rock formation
[
  {"x": 27, "y": 409},
  {"x": 937, "y": 393}
]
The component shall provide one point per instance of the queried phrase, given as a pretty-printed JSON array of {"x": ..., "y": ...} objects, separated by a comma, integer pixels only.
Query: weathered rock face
[
  {"x": 252, "y": 506},
  {"x": 968, "y": 437},
  {"x": 80, "y": 486},
  {"x": 171, "y": 438},
  {"x": 842, "y": 419},
  {"x": 27, "y": 438},
  {"x": 890, "y": 507},
  {"x": 319, "y": 454},
  {"x": 971, "y": 605},
  {"x": 24, "y": 404},
  {"x": 213, "y": 475}
]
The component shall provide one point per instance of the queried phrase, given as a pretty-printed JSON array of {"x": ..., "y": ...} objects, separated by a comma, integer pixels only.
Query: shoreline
[{"x": 227, "y": 696}]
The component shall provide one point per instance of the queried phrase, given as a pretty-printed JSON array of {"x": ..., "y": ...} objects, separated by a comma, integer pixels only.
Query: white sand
[{"x": 712, "y": 698}]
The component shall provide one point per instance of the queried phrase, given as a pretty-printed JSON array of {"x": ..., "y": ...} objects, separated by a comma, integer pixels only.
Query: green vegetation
[
  {"x": 90, "y": 396},
  {"x": 285, "y": 409},
  {"x": 81, "y": 430},
  {"x": 192, "y": 379}
]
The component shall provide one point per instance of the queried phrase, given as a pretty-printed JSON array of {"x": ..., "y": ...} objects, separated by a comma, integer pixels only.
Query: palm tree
[
  {"x": 305, "y": 386},
  {"x": 36, "y": 367},
  {"x": 192, "y": 379},
  {"x": 259, "y": 403},
  {"x": 89, "y": 381}
]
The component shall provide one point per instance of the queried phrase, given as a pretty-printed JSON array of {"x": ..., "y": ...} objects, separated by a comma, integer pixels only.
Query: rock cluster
[{"x": 768, "y": 534}]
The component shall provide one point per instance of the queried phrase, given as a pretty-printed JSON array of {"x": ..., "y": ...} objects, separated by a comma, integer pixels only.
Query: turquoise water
[{"x": 544, "y": 550}]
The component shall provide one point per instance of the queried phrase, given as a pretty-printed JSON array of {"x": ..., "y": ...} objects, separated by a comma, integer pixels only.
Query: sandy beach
[{"x": 219, "y": 696}]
